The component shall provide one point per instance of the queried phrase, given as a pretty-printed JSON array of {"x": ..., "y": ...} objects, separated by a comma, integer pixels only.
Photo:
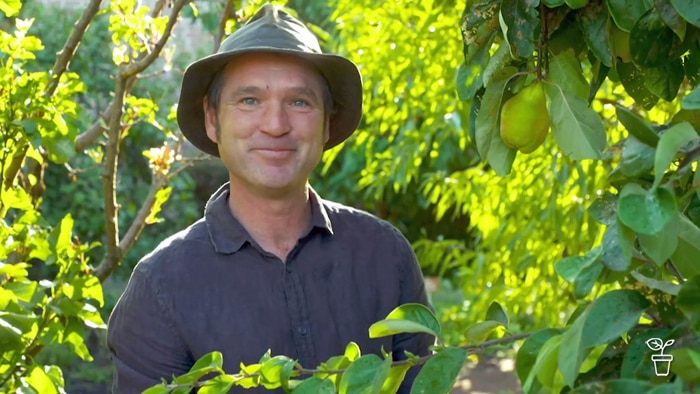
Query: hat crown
[{"x": 272, "y": 27}]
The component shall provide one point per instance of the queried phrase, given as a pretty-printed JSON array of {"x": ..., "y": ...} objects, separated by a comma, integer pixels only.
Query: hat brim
[{"x": 343, "y": 77}]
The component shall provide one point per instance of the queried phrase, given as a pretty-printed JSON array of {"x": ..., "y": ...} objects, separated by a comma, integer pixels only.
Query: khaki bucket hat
[{"x": 272, "y": 30}]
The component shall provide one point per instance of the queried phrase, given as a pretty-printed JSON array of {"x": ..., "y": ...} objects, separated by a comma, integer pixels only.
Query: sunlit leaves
[{"x": 407, "y": 318}]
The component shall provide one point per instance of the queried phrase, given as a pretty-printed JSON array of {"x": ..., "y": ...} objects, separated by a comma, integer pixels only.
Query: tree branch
[
  {"x": 109, "y": 181},
  {"x": 228, "y": 12},
  {"x": 90, "y": 136},
  {"x": 66, "y": 54},
  {"x": 141, "y": 64}
]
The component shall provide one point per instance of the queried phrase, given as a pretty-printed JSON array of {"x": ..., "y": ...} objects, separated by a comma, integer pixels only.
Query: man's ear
[
  {"x": 327, "y": 130},
  {"x": 210, "y": 121}
]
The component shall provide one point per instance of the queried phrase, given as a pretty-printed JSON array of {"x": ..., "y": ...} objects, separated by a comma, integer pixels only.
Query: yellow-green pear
[{"x": 525, "y": 119}]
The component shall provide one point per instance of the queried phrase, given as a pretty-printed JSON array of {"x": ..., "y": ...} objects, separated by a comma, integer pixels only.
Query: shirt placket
[{"x": 299, "y": 318}]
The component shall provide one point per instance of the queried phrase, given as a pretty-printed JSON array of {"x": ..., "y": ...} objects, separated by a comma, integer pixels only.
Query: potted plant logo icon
[{"x": 662, "y": 362}]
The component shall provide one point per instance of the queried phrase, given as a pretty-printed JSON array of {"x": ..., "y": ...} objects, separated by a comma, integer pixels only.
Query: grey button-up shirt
[{"x": 212, "y": 287}]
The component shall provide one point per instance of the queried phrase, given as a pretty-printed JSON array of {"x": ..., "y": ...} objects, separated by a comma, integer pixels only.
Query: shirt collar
[{"x": 228, "y": 235}]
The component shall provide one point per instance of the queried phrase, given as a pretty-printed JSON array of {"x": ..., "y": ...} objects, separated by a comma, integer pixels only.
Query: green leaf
[
  {"x": 158, "y": 389},
  {"x": 666, "y": 287},
  {"x": 660, "y": 246},
  {"x": 469, "y": 80},
  {"x": 488, "y": 138},
  {"x": 669, "y": 144},
  {"x": 633, "y": 80},
  {"x": 407, "y": 318},
  {"x": 546, "y": 365},
  {"x": 440, "y": 373},
  {"x": 578, "y": 129},
  {"x": 671, "y": 17},
  {"x": 689, "y": 10},
  {"x": 691, "y": 65},
  {"x": 637, "y": 126},
  {"x": 665, "y": 80},
  {"x": 314, "y": 385},
  {"x": 625, "y": 13},
  {"x": 487, "y": 125},
  {"x": 10, "y": 336},
  {"x": 570, "y": 267},
  {"x": 688, "y": 301},
  {"x": 519, "y": 21},
  {"x": 497, "y": 312},
  {"x": 478, "y": 332},
  {"x": 604, "y": 209},
  {"x": 612, "y": 315},
  {"x": 636, "y": 358},
  {"x": 593, "y": 20},
  {"x": 615, "y": 386},
  {"x": 365, "y": 375},
  {"x": 210, "y": 362},
  {"x": 684, "y": 366},
  {"x": 637, "y": 158},
  {"x": 571, "y": 352},
  {"x": 586, "y": 280},
  {"x": 616, "y": 257},
  {"x": 651, "y": 41},
  {"x": 565, "y": 71},
  {"x": 396, "y": 377},
  {"x": 384, "y": 328},
  {"x": 646, "y": 212},
  {"x": 276, "y": 372},
  {"x": 527, "y": 354},
  {"x": 480, "y": 20},
  {"x": 216, "y": 385},
  {"x": 692, "y": 100},
  {"x": 498, "y": 61},
  {"x": 553, "y": 3},
  {"x": 685, "y": 255},
  {"x": 575, "y": 4},
  {"x": 352, "y": 351},
  {"x": 10, "y": 8}
]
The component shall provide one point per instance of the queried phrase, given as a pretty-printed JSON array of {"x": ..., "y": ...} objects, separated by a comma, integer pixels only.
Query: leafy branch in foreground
[{"x": 352, "y": 372}]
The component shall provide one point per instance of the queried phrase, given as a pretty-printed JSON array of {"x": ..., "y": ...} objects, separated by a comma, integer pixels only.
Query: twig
[
  {"x": 109, "y": 181},
  {"x": 675, "y": 271},
  {"x": 472, "y": 349},
  {"x": 228, "y": 12},
  {"x": 141, "y": 64},
  {"x": 68, "y": 51}
]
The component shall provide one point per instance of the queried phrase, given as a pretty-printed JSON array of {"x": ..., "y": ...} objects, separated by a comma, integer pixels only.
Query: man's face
[{"x": 270, "y": 125}]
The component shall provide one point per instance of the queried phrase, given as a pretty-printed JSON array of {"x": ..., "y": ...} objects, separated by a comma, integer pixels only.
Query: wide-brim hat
[{"x": 272, "y": 30}]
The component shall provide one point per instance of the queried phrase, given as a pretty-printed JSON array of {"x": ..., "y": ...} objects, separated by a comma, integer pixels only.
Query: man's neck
[{"x": 274, "y": 222}]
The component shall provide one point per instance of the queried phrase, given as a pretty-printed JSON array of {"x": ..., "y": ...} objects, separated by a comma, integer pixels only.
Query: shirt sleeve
[
  {"x": 412, "y": 290},
  {"x": 144, "y": 344}
]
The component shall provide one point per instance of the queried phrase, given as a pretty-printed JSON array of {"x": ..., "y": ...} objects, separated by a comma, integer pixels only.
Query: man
[{"x": 271, "y": 265}]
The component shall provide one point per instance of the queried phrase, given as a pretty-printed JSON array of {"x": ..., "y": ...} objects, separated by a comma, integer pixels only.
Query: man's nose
[{"x": 275, "y": 120}]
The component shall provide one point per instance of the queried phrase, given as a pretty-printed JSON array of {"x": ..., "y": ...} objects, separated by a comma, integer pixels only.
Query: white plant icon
[{"x": 662, "y": 362}]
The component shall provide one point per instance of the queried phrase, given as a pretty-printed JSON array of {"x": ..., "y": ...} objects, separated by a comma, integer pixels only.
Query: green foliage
[{"x": 348, "y": 374}]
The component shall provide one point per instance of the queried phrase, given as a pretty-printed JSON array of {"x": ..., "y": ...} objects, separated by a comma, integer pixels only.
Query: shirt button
[{"x": 303, "y": 331}]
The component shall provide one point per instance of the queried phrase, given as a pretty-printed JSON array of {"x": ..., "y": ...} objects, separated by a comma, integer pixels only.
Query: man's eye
[
  {"x": 249, "y": 101},
  {"x": 300, "y": 103}
]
